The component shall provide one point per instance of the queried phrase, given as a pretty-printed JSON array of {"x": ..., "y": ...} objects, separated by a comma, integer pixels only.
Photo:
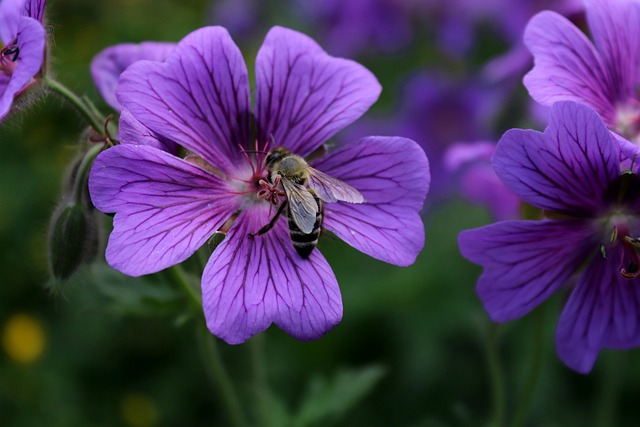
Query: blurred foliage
[{"x": 120, "y": 351}]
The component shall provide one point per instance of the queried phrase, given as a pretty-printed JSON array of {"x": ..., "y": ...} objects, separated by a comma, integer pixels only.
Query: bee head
[{"x": 274, "y": 156}]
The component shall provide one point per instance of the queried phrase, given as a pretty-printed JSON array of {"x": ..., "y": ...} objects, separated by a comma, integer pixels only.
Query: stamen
[
  {"x": 631, "y": 259},
  {"x": 246, "y": 156},
  {"x": 633, "y": 241},
  {"x": 631, "y": 272},
  {"x": 603, "y": 251}
]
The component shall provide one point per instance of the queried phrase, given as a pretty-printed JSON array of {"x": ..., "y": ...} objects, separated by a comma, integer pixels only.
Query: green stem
[
  {"x": 496, "y": 376},
  {"x": 94, "y": 120},
  {"x": 83, "y": 172},
  {"x": 220, "y": 378},
  {"x": 178, "y": 276},
  {"x": 610, "y": 390},
  {"x": 261, "y": 383},
  {"x": 524, "y": 403}
]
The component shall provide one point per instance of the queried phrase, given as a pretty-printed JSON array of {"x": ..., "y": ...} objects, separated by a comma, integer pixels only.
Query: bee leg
[{"x": 272, "y": 223}]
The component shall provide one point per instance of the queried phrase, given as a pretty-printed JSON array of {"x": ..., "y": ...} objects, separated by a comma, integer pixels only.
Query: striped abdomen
[{"x": 304, "y": 243}]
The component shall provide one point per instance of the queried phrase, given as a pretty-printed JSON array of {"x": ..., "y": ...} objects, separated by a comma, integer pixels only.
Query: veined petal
[
  {"x": 615, "y": 30},
  {"x": 31, "y": 39},
  {"x": 109, "y": 64},
  {"x": 567, "y": 168},
  {"x": 10, "y": 13},
  {"x": 251, "y": 282},
  {"x": 303, "y": 95},
  {"x": 392, "y": 174},
  {"x": 198, "y": 97},
  {"x": 602, "y": 312},
  {"x": 131, "y": 131},
  {"x": 165, "y": 207},
  {"x": 567, "y": 66},
  {"x": 525, "y": 261},
  {"x": 35, "y": 9}
]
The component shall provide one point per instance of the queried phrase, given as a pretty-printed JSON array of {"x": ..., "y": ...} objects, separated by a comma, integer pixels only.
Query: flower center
[
  {"x": 628, "y": 245},
  {"x": 252, "y": 178},
  {"x": 9, "y": 58},
  {"x": 627, "y": 120},
  {"x": 623, "y": 195}
]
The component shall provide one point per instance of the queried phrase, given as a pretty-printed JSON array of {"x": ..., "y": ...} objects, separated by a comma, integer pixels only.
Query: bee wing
[
  {"x": 302, "y": 205},
  {"x": 331, "y": 189}
]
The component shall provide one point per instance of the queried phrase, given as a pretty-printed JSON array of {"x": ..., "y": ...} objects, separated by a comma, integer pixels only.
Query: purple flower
[
  {"x": 478, "y": 181},
  {"x": 572, "y": 172},
  {"x": 602, "y": 74},
  {"x": 167, "y": 207},
  {"x": 22, "y": 43},
  {"x": 350, "y": 27},
  {"x": 440, "y": 111},
  {"x": 108, "y": 65}
]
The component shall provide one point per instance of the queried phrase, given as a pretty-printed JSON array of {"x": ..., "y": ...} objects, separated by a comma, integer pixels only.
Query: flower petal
[
  {"x": 199, "y": 97},
  {"x": 478, "y": 181},
  {"x": 165, "y": 207},
  {"x": 614, "y": 27},
  {"x": 31, "y": 40},
  {"x": 10, "y": 13},
  {"x": 131, "y": 131},
  {"x": 525, "y": 261},
  {"x": 251, "y": 282},
  {"x": 602, "y": 312},
  {"x": 567, "y": 66},
  {"x": 35, "y": 9},
  {"x": 567, "y": 168},
  {"x": 392, "y": 174},
  {"x": 303, "y": 95},
  {"x": 108, "y": 65}
]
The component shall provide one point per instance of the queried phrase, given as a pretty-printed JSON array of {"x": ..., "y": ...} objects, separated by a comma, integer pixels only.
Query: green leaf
[
  {"x": 328, "y": 400},
  {"x": 114, "y": 292}
]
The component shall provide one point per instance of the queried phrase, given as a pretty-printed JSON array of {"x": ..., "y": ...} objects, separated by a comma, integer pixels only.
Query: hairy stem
[
  {"x": 94, "y": 119},
  {"x": 496, "y": 376},
  {"x": 219, "y": 377},
  {"x": 607, "y": 403},
  {"x": 83, "y": 173},
  {"x": 524, "y": 403},
  {"x": 179, "y": 277},
  {"x": 261, "y": 383}
]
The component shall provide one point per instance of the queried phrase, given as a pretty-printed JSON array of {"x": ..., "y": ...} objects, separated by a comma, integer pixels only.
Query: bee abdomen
[{"x": 305, "y": 243}]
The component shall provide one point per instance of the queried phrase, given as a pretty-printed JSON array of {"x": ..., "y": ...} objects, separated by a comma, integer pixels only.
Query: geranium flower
[
  {"x": 22, "y": 45},
  {"x": 109, "y": 64},
  {"x": 572, "y": 172},
  {"x": 167, "y": 207},
  {"x": 602, "y": 75},
  {"x": 478, "y": 182}
]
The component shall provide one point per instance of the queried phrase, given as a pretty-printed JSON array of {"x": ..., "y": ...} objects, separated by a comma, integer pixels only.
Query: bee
[{"x": 306, "y": 190}]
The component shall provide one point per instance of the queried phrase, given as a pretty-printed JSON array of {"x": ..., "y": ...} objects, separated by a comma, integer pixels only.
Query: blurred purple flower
[
  {"x": 439, "y": 111},
  {"x": 167, "y": 207},
  {"x": 22, "y": 44},
  {"x": 572, "y": 172},
  {"x": 351, "y": 27},
  {"x": 478, "y": 181},
  {"x": 602, "y": 74},
  {"x": 108, "y": 65},
  {"x": 511, "y": 19}
]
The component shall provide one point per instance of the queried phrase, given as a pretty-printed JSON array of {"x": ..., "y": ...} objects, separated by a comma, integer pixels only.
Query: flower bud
[{"x": 72, "y": 239}]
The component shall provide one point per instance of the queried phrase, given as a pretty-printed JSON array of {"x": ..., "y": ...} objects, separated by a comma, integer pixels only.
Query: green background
[{"x": 410, "y": 351}]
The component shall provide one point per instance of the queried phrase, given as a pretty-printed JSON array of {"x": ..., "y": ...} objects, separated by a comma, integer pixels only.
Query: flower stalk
[
  {"x": 220, "y": 378},
  {"x": 531, "y": 381},
  {"x": 496, "y": 376},
  {"x": 89, "y": 114}
]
